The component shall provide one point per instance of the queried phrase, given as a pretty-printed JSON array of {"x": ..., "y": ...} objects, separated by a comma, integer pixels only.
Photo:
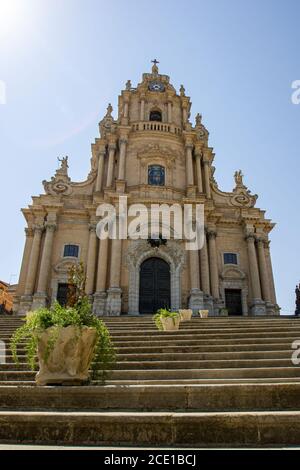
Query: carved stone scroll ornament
[
  {"x": 241, "y": 195},
  {"x": 61, "y": 182}
]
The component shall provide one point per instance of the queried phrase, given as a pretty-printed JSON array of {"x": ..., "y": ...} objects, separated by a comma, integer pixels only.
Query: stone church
[{"x": 151, "y": 152}]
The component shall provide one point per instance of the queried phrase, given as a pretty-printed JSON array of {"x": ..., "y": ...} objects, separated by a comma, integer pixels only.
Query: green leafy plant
[
  {"x": 77, "y": 312},
  {"x": 223, "y": 311},
  {"x": 164, "y": 313}
]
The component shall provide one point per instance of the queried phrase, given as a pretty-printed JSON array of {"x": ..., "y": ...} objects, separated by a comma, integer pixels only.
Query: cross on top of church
[
  {"x": 155, "y": 61},
  {"x": 154, "y": 66}
]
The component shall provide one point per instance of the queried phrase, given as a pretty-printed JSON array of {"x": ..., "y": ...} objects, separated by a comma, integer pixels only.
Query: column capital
[
  {"x": 189, "y": 145},
  {"x": 38, "y": 228},
  {"x": 50, "y": 226},
  {"x": 101, "y": 152},
  {"x": 112, "y": 146},
  {"x": 29, "y": 232},
  {"x": 92, "y": 227},
  {"x": 211, "y": 233},
  {"x": 250, "y": 237},
  {"x": 123, "y": 140}
]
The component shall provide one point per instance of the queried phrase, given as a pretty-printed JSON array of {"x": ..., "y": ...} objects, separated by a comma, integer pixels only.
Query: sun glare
[{"x": 11, "y": 16}]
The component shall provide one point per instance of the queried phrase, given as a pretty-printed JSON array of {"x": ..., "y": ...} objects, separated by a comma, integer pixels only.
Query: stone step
[
  {"x": 189, "y": 397},
  {"x": 129, "y": 383},
  {"x": 178, "y": 374},
  {"x": 232, "y": 332},
  {"x": 185, "y": 348},
  {"x": 188, "y": 429},
  {"x": 278, "y": 354},
  {"x": 177, "y": 364}
]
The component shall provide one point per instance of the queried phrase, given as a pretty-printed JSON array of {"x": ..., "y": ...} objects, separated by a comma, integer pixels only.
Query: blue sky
[{"x": 62, "y": 61}]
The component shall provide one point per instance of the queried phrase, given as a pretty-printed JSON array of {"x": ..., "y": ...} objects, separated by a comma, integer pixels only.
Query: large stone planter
[
  {"x": 186, "y": 315},
  {"x": 203, "y": 313},
  {"x": 170, "y": 324},
  {"x": 70, "y": 358}
]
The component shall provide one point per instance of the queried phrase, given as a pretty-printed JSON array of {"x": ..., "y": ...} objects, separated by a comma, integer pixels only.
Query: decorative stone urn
[
  {"x": 203, "y": 313},
  {"x": 170, "y": 324},
  {"x": 69, "y": 357},
  {"x": 185, "y": 315}
]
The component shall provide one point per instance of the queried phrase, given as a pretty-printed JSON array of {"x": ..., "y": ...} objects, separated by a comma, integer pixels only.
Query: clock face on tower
[{"x": 156, "y": 86}]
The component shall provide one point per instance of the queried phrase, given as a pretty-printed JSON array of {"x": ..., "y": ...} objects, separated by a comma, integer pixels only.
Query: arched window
[
  {"x": 71, "y": 250},
  {"x": 156, "y": 175},
  {"x": 155, "y": 116}
]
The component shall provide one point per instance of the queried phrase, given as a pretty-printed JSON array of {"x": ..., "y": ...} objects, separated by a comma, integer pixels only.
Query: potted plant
[
  {"x": 223, "y": 312},
  {"x": 185, "y": 315},
  {"x": 66, "y": 339},
  {"x": 203, "y": 313},
  {"x": 166, "y": 320}
]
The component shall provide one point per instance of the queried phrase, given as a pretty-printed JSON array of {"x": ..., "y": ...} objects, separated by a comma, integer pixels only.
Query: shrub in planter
[
  {"x": 66, "y": 339},
  {"x": 185, "y": 315},
  {"x": 166, "y": 320}
]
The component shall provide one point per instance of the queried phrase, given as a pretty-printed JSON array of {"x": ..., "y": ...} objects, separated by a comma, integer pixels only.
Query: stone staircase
[{"x": 217, "y": 382}]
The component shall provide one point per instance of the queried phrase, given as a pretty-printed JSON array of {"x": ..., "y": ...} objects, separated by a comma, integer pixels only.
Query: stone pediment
[
  {"x": 232, "y": 273},
  {"x": 63, "y": 266},
  {"x": 157, "y": 153}
]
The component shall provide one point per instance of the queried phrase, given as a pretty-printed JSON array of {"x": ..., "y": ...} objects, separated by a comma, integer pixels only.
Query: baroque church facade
[{"x": 151, "y": 153}]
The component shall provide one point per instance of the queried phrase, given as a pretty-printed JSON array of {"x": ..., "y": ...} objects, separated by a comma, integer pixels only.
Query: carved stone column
[
  {"x": 196, "y": 296},
  {"x": 258, "y": 306},
  {"x": 189, "y": 165},
  {"x": 270, "y": 272},
  {"x": 99, "y": 181},
  {"x": 40, "y": 297},
  {"x": 263, "y": 270},
  {"x": 199, "y": 170},
  {"x": 100, "y": 295},
  {"x": 91, "y": 260},
  {"x": 25, "y": 260},
  {"x": 33, "y": 260},
  {"x": 23, "y": 271},
  {"x": 204, "y": 266},
  {"x": 170, "y": 104},
  {"x": 113, "y": 306},
  {"x": 213, "y": 264},
  {"x": 207, "y": 178},
  {"x": 111, "y": 161},
  {"x": 142, "y": 109},
  {"x": 121, "y": 173}
]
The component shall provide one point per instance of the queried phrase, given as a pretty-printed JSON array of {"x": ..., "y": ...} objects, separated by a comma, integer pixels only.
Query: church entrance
[
  {"x": 155, "y": 285},
  {"x": 233, "y": 301}
]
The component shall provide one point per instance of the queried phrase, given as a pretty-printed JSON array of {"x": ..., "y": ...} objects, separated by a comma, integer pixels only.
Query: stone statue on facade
[
  {"x": 63, "y": 170},
  {"x": 297, "y": 291},
  {"x": 238, "y": 176},
  {"x": 198, "y": 119},
  {"x": 128, "y": 85},
  {"x": 182, "y": 90}
]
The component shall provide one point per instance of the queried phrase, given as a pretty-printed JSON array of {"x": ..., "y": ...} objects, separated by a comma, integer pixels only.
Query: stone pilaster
[
  {"x": 207, "y": 178},
  {"x": 204, "y": 266},
  {"x": 99, "y": 181},
  {"x": 40, "y": 297},
  {"x": 196, "y": 296},
  {"x": 113, "y": 305},
  {"x": 111, "y": 162},
  {"x": 26, "y": 299},
  {"x": 24, "y": 268},
  {"x": 199, "y": 171},
  {"x": 121, "y": 173},
  {"x": 270, "y": 273},
  {"x": 100, "y": 295},
  {"x": 189, "y": 165},
  {"x": 258, "y": 306},
  {"x": 91, "y": 260},
  {"x": 213, "y": 264}
]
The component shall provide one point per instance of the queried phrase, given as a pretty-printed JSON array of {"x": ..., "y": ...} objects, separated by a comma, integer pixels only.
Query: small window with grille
[
  {"x": 230, "y": 258},
  {"x": 71, "y": 250}
]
